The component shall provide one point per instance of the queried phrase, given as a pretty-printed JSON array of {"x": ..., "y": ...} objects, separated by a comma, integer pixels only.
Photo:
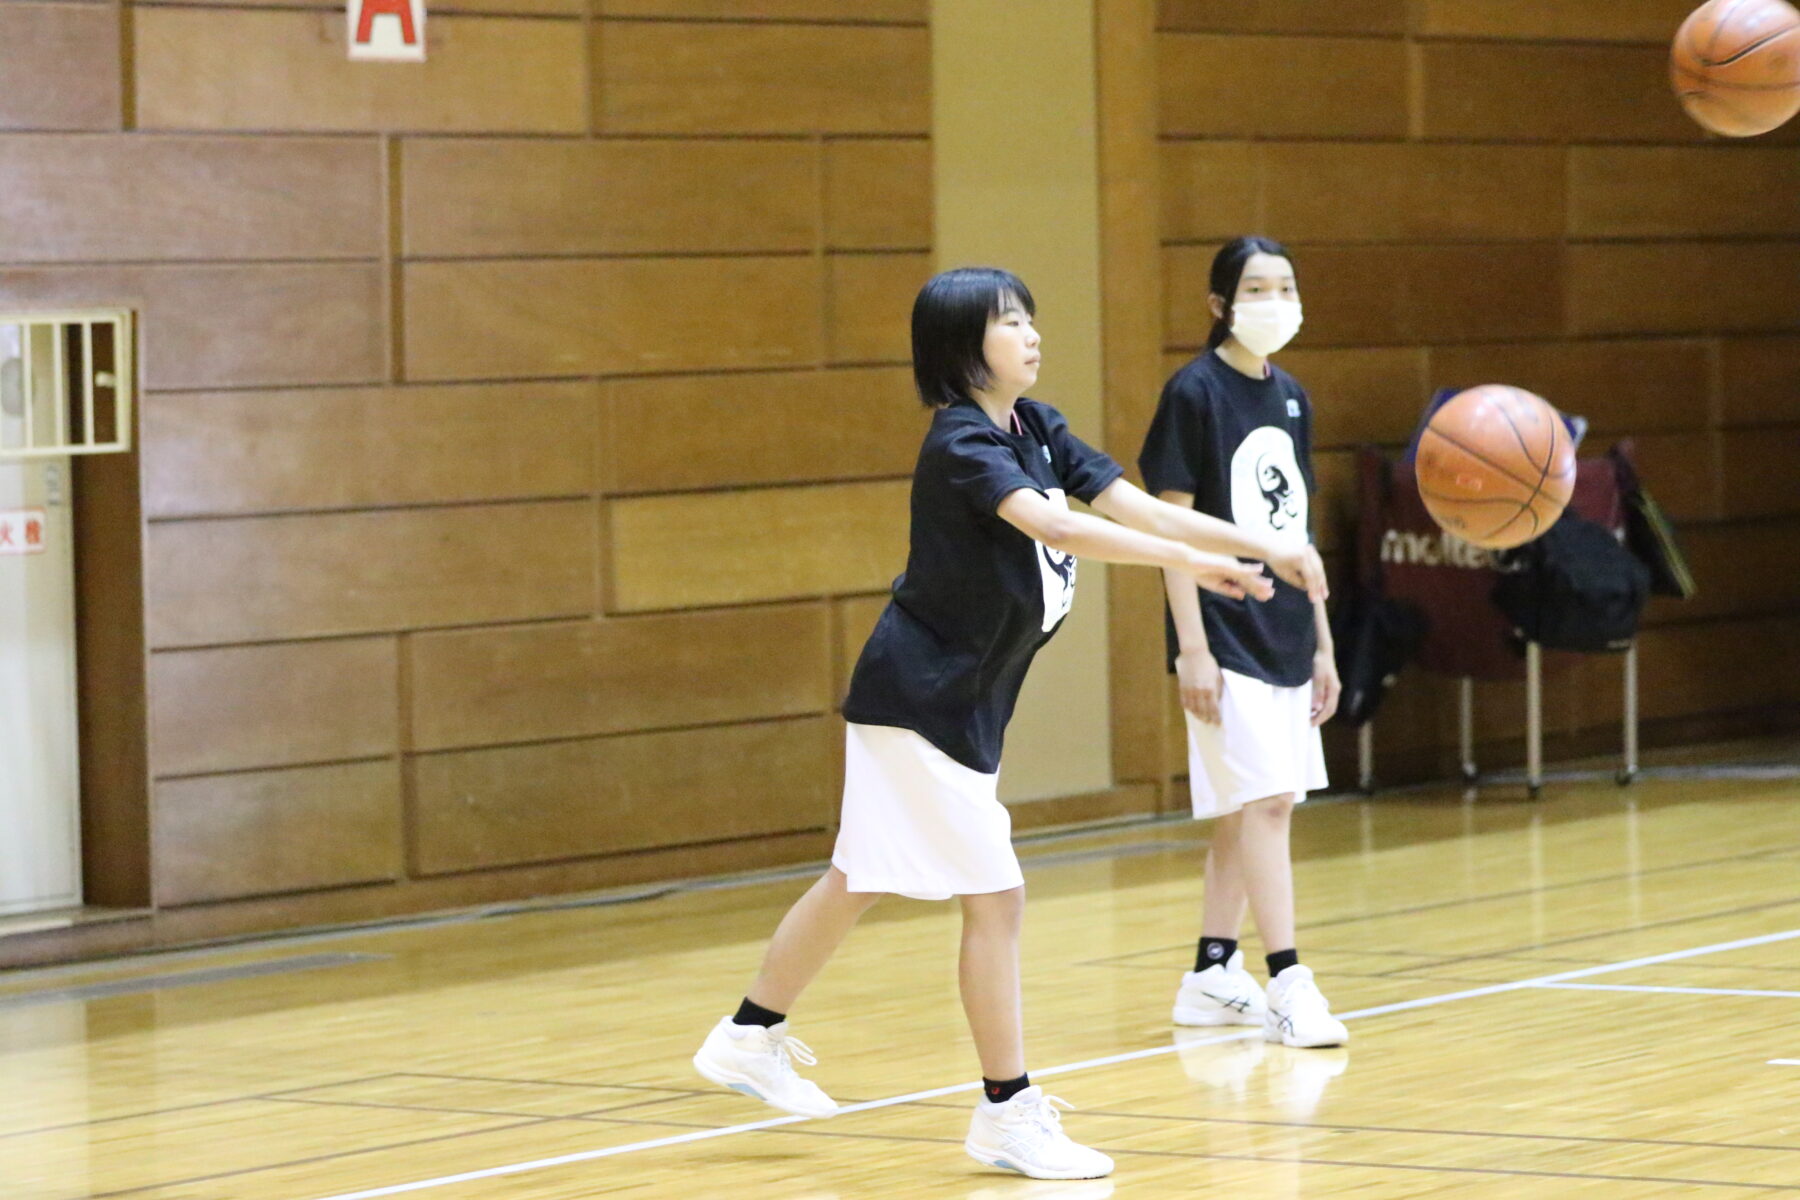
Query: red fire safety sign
[
  {"x": 387, "y": 30},
  {"x": 22, "y": 531}
]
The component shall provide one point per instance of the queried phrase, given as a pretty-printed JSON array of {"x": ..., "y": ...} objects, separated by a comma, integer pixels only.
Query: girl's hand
[
  {"x": 1201, "y": 682},
  {"x": 1227, "y": 576},
  {"x": 1302, "y": 567},
  {"x": 1326, "y": 687}
]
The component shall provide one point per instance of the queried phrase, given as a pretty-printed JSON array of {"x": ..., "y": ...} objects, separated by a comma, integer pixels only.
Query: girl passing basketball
[
  {"x": 1232, "y": 438},
  {"x": 990, "y": 576}
]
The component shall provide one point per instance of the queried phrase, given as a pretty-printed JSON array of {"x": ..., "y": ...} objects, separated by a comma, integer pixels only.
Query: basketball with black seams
[
  {"x": 1495, "y": 466},
  {"x": 1735, "y": 65}
]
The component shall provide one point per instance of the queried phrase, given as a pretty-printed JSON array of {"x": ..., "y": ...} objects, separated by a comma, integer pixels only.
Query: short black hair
[
  {"x": 949, "y": 326},
  {"x": 1228, "y": 272}
]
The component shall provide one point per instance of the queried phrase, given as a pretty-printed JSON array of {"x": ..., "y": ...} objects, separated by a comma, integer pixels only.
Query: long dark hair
[
  {"x": 949, "y": 325},
  {"x": 1228, "y": 271}
]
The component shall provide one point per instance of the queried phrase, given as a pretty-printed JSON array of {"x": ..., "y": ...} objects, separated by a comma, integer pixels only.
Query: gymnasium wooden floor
[{"x": 1596, "y": 995}]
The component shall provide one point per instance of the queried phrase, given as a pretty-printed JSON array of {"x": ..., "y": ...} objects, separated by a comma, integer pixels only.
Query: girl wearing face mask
[{"x": 1232, "y": 438}]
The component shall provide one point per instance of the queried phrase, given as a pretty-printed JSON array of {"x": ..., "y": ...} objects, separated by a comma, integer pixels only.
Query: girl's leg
[
  {"x": 989, "y": 974},
  {"x": 806, "y": 938},
  {"x": 1266, "y": 870},
  {"x": 1224, "y": 898}
]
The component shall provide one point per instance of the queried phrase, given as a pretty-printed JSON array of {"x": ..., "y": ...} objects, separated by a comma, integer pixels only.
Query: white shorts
[
  {"x": 918, "y": 823},
  {"x": 1265, "y": 745}
]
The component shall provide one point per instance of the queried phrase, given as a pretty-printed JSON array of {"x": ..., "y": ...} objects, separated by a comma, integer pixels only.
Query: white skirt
[
  {"x": 1265, "y": 745},
  {"x": 918, "y": 823}
]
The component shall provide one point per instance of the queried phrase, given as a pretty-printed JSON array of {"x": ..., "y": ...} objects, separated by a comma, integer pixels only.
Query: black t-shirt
[
  {"x": 1243, "y": 448},
  {"x": 979, "y": 597}
]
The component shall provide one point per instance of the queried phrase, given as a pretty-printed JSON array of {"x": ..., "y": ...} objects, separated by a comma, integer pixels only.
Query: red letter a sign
[{"x": 387, "y": 30}]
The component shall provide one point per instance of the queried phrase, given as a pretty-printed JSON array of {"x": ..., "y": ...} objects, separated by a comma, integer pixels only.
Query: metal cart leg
[
  {"x": 1365, "y": 757},
  {"x": 1534, "y": 719},
  {"x": 1466, "y": 728},
  {"x": 1628, "y": 772}
]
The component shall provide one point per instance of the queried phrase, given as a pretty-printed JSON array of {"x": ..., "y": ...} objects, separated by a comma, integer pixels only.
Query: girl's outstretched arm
[
  {"x": 1090, "y": 537},
  {"x": 1131, "y": 506}
]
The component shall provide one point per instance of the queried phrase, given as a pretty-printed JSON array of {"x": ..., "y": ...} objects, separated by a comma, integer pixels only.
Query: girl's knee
[
  {"x": 995, "y": 908},
  {"x": 1275, "y": 809}
]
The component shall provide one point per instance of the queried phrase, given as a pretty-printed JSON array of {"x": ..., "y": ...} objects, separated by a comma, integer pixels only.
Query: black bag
[
  {"x": 1574, "y": 588},
  {"x": 1649, "y": 534},
  {"x": 1375, "y": 637}
]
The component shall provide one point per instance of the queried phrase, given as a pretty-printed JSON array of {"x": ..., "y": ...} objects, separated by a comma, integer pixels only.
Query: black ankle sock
[
  {"x": 751, "y": 1013},
  {"x": 1214, "y": 952},
  {"x": 1281, "y": 960},
  {"x": 999, "y": 1091}
]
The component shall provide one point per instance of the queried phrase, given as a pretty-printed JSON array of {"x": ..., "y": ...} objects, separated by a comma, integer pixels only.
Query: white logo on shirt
[
  {"x": 1057, "y": 571},
  {"x": 1267, "y": 490},
  {"x": 1293, "y": 408}
]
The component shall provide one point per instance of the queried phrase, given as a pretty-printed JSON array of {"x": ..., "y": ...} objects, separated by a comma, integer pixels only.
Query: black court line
[
  {"x": 180, "y": 1108},
  {"x": 1341, "y": 1127},
  {"x": 1284, "y": 1160},
  {"x": 584, "y": 1115},
  {"x": 1670, "y": 923},
  {"x": 316, "y": 1158},
  {"x": 561, "y": 1083},
  {"x": 179, "y": 979}
]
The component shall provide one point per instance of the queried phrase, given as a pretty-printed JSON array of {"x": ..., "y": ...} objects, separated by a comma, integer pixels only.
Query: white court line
[
  {"x": 1784, "y": 1062},
  {"x": 1380, "y": 1010},
  {"x": 1679, "y": 991}
]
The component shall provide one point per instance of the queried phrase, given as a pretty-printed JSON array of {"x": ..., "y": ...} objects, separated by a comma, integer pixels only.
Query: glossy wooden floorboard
[{"x": 479, "y": 1043}]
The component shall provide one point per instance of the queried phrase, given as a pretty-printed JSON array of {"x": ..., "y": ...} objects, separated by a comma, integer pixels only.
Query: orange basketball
[
  {"x": 1495, "y": 466},
  {"x": 1735, "y": 65}
]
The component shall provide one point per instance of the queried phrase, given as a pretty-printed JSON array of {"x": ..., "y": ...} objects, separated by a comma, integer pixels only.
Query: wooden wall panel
[
  {"x": 878, "y": 195},
  {"x": 1353, "y": 192},
  {"x": 1762, "y": 477},
  {"x": 1282, "y": 16},
  {"x": 1549, "y": 93},
  {"x": 1728, "y": 562},
  {"x": 1678, "y": 666},
  {"x": 1624, "y": 386},
  {"x": 1361, "y": 191},
  {"x": 189, "y": 198},
  {"x": 1760, "y": 382},
  {"x": 493, "y": 686},
  {"x": 1376, "y": 295},
  {"x": 490, "y": 197},
  {"x": 1649, "y": 21},
  {"x": 258, "y": 834},
  {"x": 287, "y": 71},
  {"x": 1367, "y": 395},
  {"x": 488, "y": 808},
  {"x": 1684, "y": 287},
  {"x": 240, "y": 707},
  {"x": 761, "y": 78},
  {"x": 856, "y": 618},
  {"x": 218, "y": 453},
  {"x": 716, "y": 431},
  {"x": 60, "y": 64},
  {"x": 769, "y": 10},
  {"x": 230, "y": 326},
  {"x": 1211, "y": 190},
  {"x": 1673, "y": 191},
  {"x": 871, "y": 306},
  {"x": 268, "y": 578},
  {"x": 690, "y": 551},
  {"x": 1682, "y": 471},
  {"x": 1282, "y": 87},
  {"x": 523, "y": 319},
  {"x": 554, "y": 8}
]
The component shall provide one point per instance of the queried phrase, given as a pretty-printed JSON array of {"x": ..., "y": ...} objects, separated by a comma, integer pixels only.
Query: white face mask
[{"x": 1265, "y": 326}]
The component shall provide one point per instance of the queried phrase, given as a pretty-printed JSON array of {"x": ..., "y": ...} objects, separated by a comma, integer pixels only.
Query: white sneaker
[
  {"x": 759, "y": 1062},
  {"x": 1223, "y": 994},
  {"x": 1025, "y": 1135},
  {"x": 1298, "y": 1014}
]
